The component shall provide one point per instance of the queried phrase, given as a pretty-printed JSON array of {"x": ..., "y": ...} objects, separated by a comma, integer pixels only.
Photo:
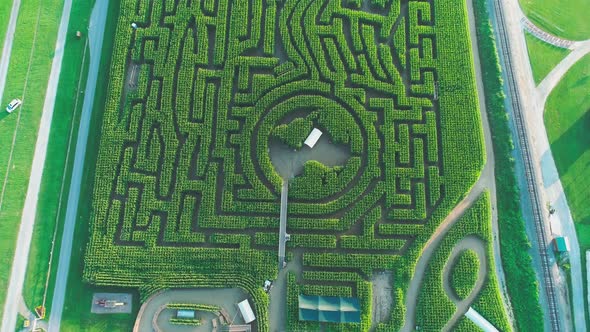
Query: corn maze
[{"x": 199, "y": 94}]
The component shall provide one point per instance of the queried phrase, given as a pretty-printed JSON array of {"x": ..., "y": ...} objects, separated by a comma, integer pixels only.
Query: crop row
[{"x": 464, "y": 273}]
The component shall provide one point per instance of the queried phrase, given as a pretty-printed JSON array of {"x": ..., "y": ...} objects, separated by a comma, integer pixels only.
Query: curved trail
[
  {"x": 476, "y": 244},
  {"x": 430, "y": 247},
  {"x": 7, "y": 49},
  {"x": 579, "y": 50}
]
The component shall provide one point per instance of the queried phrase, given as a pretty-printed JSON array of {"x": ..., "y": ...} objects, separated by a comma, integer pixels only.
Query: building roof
[
  {"x": 313, "y": 137},
  {"x": 562, "y": 244},
  {"x": 246, "y": 311},
  {"x": 187, "y": 314},
  {"x": 480, "y": 321},
  {"x": 329, "y": 309}
]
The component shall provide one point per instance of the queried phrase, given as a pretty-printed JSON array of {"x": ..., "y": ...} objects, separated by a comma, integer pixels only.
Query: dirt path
[
  {"x": 579, "y": 50},
  {"x": 96, "y": 37},
  {"x": 430, "y": 247},
  {"x": 283, "y": 222}
]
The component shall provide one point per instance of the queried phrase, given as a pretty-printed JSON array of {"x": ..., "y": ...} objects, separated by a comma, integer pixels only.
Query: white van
[{"x": 14, "y": 104}]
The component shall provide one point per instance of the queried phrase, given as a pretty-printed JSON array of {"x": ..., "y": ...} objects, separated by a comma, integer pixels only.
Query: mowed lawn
[
  {"x": 56, "y": 174},
  {"x": 564, "y": 18},
  {"x": 567, "y": 118},
  {"x": 26, "y": 80},
  {"x": 543, "y": 56},
  {"x": 5, "y": 7}
]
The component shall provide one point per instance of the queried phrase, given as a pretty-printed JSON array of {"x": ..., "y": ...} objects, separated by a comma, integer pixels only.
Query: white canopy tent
[
  {"x": 480, "y": 321},
  {"x": 313, "y": 137},
  {"x": 246, "y": 311}
]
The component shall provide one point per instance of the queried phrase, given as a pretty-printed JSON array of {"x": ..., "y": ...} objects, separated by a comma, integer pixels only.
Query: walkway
[
  {"x": 544, "y": 36},
  {"x": 463, "y": 305},
  {"x": 283, "y": 237},
  {"x": 25, "y": 234},
  {"x": 533, "y": 106},
  {"x": 96, "y": 37}
]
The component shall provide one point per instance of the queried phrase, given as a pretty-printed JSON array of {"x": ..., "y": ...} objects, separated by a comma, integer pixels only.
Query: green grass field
[
  {"x": 5, "y": 7},
  {"x": 566, "y": 19},
  {"x": 543, "y": 57},
  {"x": 68, "y": 107},
  {"x": 567, "y": 118},
  {"x": 435, "y": 306},
  {"x": 26, "y": 119}
]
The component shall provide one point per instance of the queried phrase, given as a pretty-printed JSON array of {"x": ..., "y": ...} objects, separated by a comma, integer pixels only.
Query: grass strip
[
  {"x": 520, "y": 277},
  {"x": 28, "y": 73},
  {"x": 543, "y": 56}
]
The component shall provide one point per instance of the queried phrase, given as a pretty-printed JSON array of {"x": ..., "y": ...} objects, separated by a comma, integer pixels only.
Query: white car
[{"x": 14, "y": 104}]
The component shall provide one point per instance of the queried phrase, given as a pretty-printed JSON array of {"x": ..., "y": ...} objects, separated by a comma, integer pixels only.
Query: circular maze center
[{"x": 290, "y": 155}]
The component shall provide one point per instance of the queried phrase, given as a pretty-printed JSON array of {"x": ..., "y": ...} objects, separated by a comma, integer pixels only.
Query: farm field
[
  {"x": 565, "y": 19},
  {"x": 76, "y": 316},
  {"x": 543, "y": 57},
  {"x": 28, "y": 73},
  {"x": 5, "y": 9},
  {"x": 198, "y": 135},
  {"x": 567, "y": 117}
]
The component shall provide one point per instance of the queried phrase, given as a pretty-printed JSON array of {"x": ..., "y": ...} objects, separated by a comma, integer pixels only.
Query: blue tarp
[{"x": 329, "y": 309}]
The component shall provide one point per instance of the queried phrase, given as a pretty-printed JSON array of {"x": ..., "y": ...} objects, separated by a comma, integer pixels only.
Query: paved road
[
  {"x": 96, "y": 37},
  {"x": 7, "y": 49},
  {"x": 548, "y": 185},
  {"x": 579, "y": 50},
  {"x": 23, "y": 244}
]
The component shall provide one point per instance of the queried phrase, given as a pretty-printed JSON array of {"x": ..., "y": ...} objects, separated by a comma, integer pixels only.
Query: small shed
[
  {"x": 246, "y": 311},
  {"x": 561, "y": 244},
  {"x": 313, "y": 137},
  {"x": 185, "y": 314}
]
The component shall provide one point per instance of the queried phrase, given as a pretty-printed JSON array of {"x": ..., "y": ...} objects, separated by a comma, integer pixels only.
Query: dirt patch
[
  {"x": 382, "y": 296},
  {"x": 111, "y": 303}
]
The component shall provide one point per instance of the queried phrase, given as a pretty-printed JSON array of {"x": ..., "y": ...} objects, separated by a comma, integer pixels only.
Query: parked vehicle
[{"x": 13, "y": 105}]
